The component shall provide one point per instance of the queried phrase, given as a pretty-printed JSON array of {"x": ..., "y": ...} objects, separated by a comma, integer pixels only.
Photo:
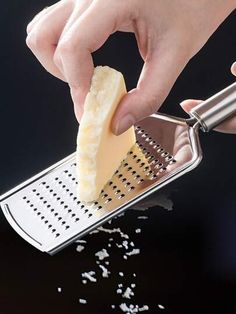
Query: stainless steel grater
[{"x": 46, "y": 211}]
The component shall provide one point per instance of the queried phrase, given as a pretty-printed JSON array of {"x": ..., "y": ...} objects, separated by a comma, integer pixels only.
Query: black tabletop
[{"x": 178, "y": 256}]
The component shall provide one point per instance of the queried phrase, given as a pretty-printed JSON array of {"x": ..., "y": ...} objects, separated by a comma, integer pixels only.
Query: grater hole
[
  {"x": 140, "y": 181},
  {"x": 76, "y": 219},
  {"x": 57, "y": 235},
  {"x": 108, "y": 200},
  {"x": 121, "y": 196},
  {"x": 90, "y": 215},
  {"x": 163, "y": 169},
  {"x": 123, "y": 180},
  {"x": 56, "y": 178},
  {"x": 67, "y": 227}
]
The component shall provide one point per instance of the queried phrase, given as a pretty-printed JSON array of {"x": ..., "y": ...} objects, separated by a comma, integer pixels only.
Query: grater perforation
[{"x": 45, "y": 210}]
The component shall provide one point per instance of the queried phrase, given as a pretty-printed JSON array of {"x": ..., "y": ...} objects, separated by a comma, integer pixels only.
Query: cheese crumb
[
  {"x": 161, "y": 306},
  {"x": 89, "y": 276},
  {"x": 102, "y": 254}
]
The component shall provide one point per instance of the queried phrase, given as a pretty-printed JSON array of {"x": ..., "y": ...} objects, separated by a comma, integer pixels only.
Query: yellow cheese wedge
[{"x": 99, "y": 151}]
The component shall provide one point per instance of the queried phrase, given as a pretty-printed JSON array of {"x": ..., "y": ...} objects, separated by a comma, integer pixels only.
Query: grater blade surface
[{"x": 47, "y": 213}]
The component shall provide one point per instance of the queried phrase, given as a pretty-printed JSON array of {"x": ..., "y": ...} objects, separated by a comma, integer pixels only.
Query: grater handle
[{"x": 216, "y": 109}]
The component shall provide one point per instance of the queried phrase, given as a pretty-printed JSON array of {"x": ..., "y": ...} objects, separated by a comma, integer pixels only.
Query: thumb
[
  {"x": 158, "y": 75},
  {"x": 189, "y": 104}
]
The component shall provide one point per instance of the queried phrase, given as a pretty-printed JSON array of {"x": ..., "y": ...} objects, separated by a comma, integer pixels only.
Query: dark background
[{"x": 191, "y": 250}]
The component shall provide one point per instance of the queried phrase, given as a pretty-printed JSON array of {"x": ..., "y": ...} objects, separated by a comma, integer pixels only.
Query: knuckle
[
  {"x": 37, "y": 40},
  {"x": 57, "y": 59},
  {"x": 66, "y": 46},
  {"x": 29, "y": 28}
]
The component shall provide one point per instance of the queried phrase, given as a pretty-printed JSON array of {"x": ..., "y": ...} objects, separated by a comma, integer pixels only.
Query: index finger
[{"x": 85, "y": 36}]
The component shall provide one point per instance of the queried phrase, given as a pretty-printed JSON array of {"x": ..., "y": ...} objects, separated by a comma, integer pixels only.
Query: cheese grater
[{"x": 46, "y": 211}]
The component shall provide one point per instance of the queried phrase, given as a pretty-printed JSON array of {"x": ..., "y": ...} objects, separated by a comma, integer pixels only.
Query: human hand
[
  {"x": 169, "y": 33},
  {"x": 228, "y": 126}
]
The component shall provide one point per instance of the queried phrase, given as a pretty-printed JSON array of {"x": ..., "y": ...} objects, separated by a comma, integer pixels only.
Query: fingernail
[{"x": 124, "y": 124}]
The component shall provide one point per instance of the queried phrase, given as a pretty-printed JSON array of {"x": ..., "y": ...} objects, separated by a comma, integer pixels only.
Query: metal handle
[{"x": 216, "y": 109}]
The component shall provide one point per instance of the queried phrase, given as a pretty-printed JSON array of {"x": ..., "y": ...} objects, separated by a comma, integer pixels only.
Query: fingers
[
  {"x": 157, "y": 77},
  {"x": 228, "y": 126},
  {"x": 233, "y": 68},
  {"x": 188, "y": 104},
  {"x": 44, "y": 34},
  {"x": 73, "y": 55},
  {"x": 38, "y": 17}
]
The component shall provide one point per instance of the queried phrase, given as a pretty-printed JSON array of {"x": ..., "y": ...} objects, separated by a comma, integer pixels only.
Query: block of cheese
[{"x": 99, "y": 151}]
